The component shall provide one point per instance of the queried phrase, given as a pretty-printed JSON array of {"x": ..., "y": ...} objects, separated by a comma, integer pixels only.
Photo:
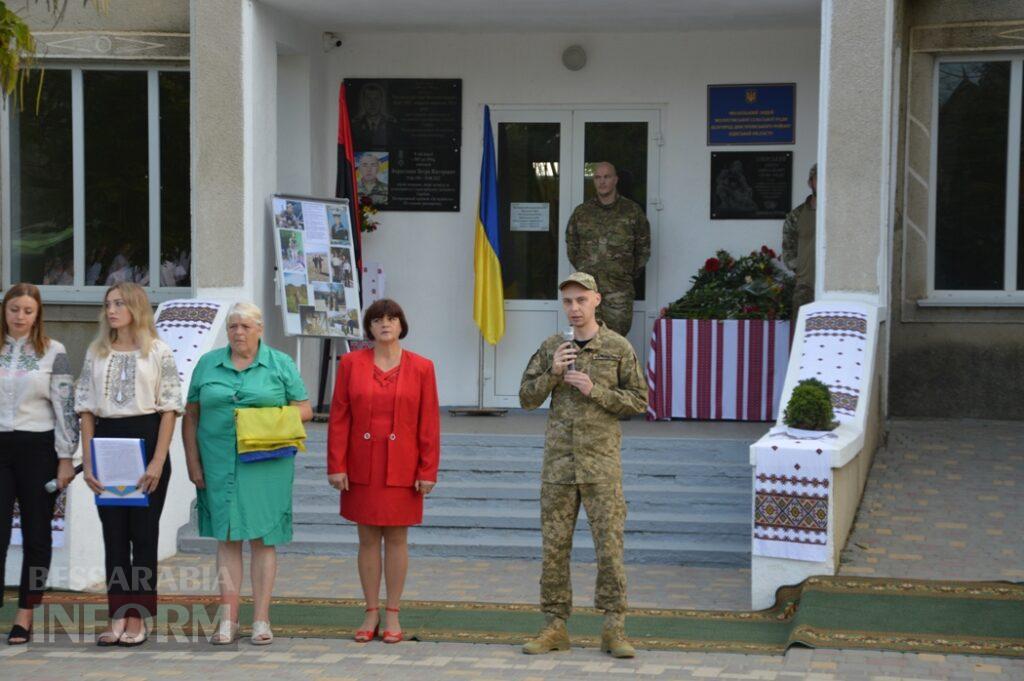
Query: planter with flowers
[{"x": 720, "y": 351}]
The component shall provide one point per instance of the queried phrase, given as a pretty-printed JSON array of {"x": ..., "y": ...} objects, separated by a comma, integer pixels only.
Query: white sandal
[
  {"x": 227, "y": 633},
  {"x": 261, "y": 633}
]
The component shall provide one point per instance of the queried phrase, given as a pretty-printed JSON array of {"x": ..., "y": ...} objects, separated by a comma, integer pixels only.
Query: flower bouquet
[
  {"x": 755, "y": 286},
  {"x": 367, "y": 211}
]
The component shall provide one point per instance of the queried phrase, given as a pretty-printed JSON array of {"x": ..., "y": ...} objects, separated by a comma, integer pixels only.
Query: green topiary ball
[{"x": 810, "y": 407}]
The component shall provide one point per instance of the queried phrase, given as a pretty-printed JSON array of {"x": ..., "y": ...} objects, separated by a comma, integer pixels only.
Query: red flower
[
  {"x": 768, "y": 251},
  {"x": 712, "y": 265}
]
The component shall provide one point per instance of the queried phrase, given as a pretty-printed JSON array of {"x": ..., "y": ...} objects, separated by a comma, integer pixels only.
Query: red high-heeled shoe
[
  {"x": 391, "y": 636},
  {"x": 366, "y": 635}
]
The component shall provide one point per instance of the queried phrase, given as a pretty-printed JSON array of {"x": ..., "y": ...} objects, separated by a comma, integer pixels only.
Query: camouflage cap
[{"x": 582, "y": 278}]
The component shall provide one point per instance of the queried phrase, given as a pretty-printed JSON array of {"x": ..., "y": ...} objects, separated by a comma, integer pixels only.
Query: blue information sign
[{"x": 752, "y": 114}]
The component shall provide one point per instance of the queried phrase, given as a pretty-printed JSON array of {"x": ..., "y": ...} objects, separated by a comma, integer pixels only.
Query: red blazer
[{"x": 414, "y": 448}]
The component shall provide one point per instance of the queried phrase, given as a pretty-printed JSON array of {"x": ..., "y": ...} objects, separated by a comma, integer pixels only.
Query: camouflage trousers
[
  {"x": 605, "y": 505},
  {"x": 616, "y": 310}
]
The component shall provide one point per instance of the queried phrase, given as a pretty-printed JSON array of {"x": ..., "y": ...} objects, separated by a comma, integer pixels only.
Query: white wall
[
  {"x": 669, "y": 69},
  {"x": 285, "y": 149}
]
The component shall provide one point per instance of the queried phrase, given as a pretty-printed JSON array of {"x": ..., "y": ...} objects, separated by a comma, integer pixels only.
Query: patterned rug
[{"x": 976, "y": 618}]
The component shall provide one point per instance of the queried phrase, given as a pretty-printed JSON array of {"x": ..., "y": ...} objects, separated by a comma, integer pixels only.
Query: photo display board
[
  {"x": 407, "y": 139},
  {"x": 316, "y": 267}
]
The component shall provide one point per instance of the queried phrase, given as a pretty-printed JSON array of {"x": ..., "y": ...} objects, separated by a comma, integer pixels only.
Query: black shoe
[{"x": 18, "y": 632}]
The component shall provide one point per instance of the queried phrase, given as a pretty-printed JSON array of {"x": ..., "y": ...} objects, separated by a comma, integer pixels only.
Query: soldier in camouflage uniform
[
  {"x": 369, "y": 184},
  {"x": 609, "y": 237},
  {"x": 592, "y": 381},
  {"x": 798, "y": 244}
]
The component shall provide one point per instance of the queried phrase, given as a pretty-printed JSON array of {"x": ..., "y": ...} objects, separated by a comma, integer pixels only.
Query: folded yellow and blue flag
[{"x": 269, "y": 433}]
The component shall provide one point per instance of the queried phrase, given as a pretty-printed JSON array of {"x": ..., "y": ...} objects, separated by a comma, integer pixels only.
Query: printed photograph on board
[
  {"x": 293, "y": 258},
  {"x": 341, "y": 235},
  {"x": 296, "y": 292},
  {"x": 312, "y": 321},
  {"x": 316, "y": 267},
  {"x": 341, "y": 266},
  {"x": 329, "y": 297},
  {"x": 372, "y": 176},
  {"x": 289, "y": 216}
]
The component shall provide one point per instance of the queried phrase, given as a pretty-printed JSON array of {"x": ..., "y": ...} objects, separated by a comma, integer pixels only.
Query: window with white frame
[
  {"x": 977, "y": 244},
  {"x": 98, "y": 188}
]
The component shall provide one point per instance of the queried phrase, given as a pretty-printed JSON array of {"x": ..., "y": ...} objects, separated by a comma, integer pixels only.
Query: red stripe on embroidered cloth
[
  {"x": 666, "y": 392},
  {"x": 653, "y": 357},
  {"x": 770, "y": 391},
  {"x": 756, "y": 366},
  {"x": 719, "y": 364},
  {"x": 741, "y": 374},
  {"x": 688, "y": 408},
  {"x": 704, "y": 370}
]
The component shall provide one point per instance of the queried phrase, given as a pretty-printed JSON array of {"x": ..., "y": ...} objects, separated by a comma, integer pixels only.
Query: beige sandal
[
  {"x": 227, "y": 633},
  {"x": 261, "y": 633}
]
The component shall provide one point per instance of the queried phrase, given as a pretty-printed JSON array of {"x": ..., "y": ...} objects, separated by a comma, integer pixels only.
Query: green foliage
[
  {"x": 752, "y": 287},
  {"x": 18, "y": 47},
  {"x": 810, "y": 407}
]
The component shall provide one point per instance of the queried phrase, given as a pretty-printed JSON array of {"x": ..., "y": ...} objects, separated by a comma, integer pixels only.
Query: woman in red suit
[{"x": 383, "y": 450}]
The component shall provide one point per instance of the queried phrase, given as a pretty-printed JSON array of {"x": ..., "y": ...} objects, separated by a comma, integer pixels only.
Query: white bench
[{"x": 796, "y": 479}]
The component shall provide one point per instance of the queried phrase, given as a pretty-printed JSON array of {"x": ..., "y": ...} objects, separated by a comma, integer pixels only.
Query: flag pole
[
  {"x": 486, "y": 263},
  {"x": 479, "y": 409}
]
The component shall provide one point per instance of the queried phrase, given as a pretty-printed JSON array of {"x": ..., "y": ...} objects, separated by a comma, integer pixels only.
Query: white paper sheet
[{"x": 118, "y": 464}]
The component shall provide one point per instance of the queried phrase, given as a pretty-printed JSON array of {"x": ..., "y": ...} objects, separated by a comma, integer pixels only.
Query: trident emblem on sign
[{"x": 751, "y": 96}]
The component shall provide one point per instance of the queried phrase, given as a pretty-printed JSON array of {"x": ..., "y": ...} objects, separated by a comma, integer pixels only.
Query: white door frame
[{"x": 572, "y": 119}]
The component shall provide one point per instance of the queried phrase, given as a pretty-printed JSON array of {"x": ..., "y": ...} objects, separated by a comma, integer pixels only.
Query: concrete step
[
  {"x": 435, "y": 516},
  {"x": 423, "y": 541},
  {"x": 453, "y": 466},
  {"x": 666, "y": 496}
]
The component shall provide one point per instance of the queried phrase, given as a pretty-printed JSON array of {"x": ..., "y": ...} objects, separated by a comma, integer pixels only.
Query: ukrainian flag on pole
[{"x": 488, "y": 293}]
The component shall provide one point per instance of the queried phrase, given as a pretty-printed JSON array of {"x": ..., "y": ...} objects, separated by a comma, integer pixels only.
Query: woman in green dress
[{"x": 241, "y": 501}]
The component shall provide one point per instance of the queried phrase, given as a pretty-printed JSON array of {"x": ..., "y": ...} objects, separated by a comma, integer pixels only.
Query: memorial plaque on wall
[
  {"x": 407, "y": 139},
  {"x": 751, "y": 185}
]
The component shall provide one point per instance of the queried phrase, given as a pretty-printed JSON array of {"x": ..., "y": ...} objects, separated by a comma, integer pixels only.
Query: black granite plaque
[
  {"x": 409, "y": 131},
  {"x": 751, "y": 185}
]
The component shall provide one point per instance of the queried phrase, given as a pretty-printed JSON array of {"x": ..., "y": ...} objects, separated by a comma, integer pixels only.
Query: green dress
[{"x": 242, "y": 500}]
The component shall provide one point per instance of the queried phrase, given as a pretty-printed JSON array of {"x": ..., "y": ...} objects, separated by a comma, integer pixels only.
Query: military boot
[
  {"x": 554, "y": 636},
  {"x": 613, "y": 636}
]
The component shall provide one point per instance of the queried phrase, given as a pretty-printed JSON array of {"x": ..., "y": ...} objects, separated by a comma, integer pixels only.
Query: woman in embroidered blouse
[
  {"x": 130, "y": 388},
  {"x": 38, "y": 437}
]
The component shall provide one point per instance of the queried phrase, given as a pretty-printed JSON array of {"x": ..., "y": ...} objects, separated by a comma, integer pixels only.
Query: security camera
[{"x": 331, "y": 41}]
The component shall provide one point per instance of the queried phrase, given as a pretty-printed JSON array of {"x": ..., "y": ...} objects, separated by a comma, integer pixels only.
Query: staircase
[{"x": 689, "y": 503}]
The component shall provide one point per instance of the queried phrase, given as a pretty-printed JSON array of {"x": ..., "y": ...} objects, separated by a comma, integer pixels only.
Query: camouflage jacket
[
  {"x": 800, "y": 260},
  {"x": 611, "y": 242},
  {"x": 583, "y": 438}
]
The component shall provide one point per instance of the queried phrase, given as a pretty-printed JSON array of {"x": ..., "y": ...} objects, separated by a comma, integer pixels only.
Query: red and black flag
[{"x": 346, "y": 187}]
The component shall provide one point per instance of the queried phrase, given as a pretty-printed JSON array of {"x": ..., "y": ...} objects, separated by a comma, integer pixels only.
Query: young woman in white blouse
[
  {"x": 130, "y": 388},
  {"x": 38, "y": 437}
]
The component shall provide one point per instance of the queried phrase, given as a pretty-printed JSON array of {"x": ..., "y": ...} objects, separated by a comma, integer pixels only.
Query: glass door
[
  {"x": 545, "y": 166},
  {"x": 533, "y": 207},
  {"x": 630, "y": 140}
]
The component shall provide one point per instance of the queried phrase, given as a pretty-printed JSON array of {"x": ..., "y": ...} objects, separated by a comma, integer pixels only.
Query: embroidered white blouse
[
  {"x": 37, "y": 393},
  {"x": 128, "y": 384}
]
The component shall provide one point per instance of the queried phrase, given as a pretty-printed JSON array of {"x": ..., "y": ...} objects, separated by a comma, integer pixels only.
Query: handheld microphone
[
  {"x": 570, "y": 337},
  {"x": 51, "y": 486}
]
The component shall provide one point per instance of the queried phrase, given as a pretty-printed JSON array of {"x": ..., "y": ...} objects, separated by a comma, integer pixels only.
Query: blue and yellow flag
[{"x": 488, "y": 293}]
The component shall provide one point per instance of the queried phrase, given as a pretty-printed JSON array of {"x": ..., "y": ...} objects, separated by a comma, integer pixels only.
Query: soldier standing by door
[
  {"x": 798, "y": 243},
  {"x": 592, "y": 380},
  {"x": 609, "y": 237}
]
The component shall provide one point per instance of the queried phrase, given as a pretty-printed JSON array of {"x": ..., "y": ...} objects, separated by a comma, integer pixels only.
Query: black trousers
[
  {"x": 131, "y": 534},
  {"x": 27, "y": 462}
]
